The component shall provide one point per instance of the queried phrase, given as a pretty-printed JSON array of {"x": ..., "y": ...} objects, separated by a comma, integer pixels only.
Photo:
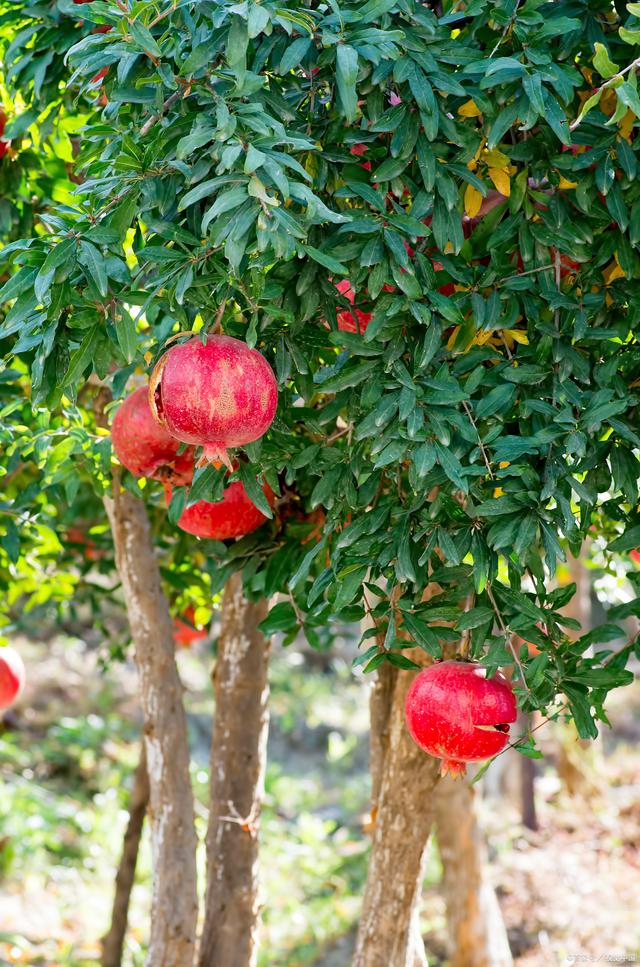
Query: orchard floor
[{"x": 569, "y": 890}]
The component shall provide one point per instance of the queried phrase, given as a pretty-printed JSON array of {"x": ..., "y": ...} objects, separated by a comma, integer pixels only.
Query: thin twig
[
  {"x": 170, "y": 101},
  {"x": 161, "y": 16},
  {"x": 610, "y": 82},
  {"x": 467, "y": 410},
  {"x": 465, "y": 639},
  {"x": 519, "y": 275},
  {"x": 507, "y": 635},
  {"x": 216, "y": 328}
]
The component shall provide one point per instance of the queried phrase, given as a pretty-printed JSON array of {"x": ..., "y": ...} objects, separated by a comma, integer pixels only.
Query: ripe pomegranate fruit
[
  {"x": 347, "y": 322},
  {"x": 12, "y": 676},
  {"x": 185, "y": 631},
  {"x": 144, "y": 447},
  {"x": 454, "y": 712},
  {"x": 216, "y": 394},
  {"x": 233, "y": 516},
  {"x": 100, "y": 76}
]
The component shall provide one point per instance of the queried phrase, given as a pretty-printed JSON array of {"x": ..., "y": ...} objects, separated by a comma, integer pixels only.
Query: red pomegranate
[
  {"x": 346, "y": 320},
  {"x": 144, "y": 447},
  {"x": 100, "y": 76},
  {"x": 233, "y": 516},
  {"x": 454, "y": 712},
  {"x": 215, "y": 394},
  {"x": 185, "y": 631},
  {"x": 12, "y": 676}
]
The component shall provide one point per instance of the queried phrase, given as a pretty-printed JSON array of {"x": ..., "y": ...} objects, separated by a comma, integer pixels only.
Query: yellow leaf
[
  {"x": 495, "y": 159},
  {"x": 608, "y": 101},
  {"x": 565, "y": 183},
  {"x": 452, "y": 338},
  {"x": 625, "y": 126},
  {"x": 504, "y": 464},
  {"x": 501, "y": 180},
  {"x": 613, "y": 271},
  {"x": 498, "y": 492},
  {"x": 470, "y": 110},
  {"x": 472, "y": 201},
  {"x": 518, "y": 336}
]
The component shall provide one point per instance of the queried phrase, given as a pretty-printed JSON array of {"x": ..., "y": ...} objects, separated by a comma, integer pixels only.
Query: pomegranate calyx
[
  {"x": 453, "y": 768},
  {"x": 215, "y": 453}
]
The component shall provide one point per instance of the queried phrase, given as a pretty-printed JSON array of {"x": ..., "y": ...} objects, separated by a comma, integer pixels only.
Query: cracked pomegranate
[
  {"x": 144, "y": 447},
  {"x": 12, "y": 676},
  {"x": 454, "y": 712},
  {"x": 233, "y": 516},
  {"x": 215, "y": 394}
]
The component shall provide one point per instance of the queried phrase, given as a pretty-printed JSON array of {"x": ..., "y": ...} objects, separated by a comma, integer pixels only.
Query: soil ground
[{"x": 568, "y": 892}]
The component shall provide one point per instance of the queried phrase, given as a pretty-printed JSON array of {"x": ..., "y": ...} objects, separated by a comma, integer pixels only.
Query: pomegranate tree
[
  {"x": 233, "y": 516},
  {"x": 146, "y": 448},
  {"x": 215, "y": 393},
  {"x": 12, "y": 676},
  {"x": 458, "y": 714}
]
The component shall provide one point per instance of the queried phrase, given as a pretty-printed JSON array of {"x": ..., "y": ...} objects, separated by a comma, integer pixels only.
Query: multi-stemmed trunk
[
  {"x": 173, "y": 838},
  {"x": 403, "y": 783}
]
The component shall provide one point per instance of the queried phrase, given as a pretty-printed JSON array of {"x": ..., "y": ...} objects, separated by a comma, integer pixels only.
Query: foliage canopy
[{"x": 472, "y": 173}]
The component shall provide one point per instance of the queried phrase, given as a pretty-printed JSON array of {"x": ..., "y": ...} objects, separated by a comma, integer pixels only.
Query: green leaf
[
  {"x": 589, "y": 103},
  {"x": 532, "y": 84},
  {"x": 400, "y": 661},
  {"x": 18, "y": 283},
  {"x": 346, "y": 77},
  {"x": 423, "y": 636},
  {"x": 628, "y": 541},
  {"x": 327, "y": 260},
  {"x": 349, "y": 585},
  {"x": 629, "y": 36},
  {"x": 603, "y": 63},
  {"x": 93, "y": 261},
  {"x": 177, "y": 504},
  {"x": 144, "y": 38},
  {"x": 365, "y": 656},
  {"x": 207, "y": 484},
  {"x": 581, "y": 710},
  {"x": 282, "y": 617},
  {"x": 294, "y": 54},
  {"x": 82, "y": 356},
  {"x": 126, "y": 334},
  {"x": 556, "y": 117},
  {"x": 255, "y": 492},
  {"x": 237, "y": 43}
]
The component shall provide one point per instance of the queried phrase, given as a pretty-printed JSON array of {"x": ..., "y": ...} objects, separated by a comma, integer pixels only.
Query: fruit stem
[{"x": 216, "y": 328}]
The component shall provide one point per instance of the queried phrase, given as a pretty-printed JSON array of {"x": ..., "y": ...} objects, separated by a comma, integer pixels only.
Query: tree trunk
[
  {"x": 113, "y": 941},
  {"x": 477, "y": 934},
  {"x": 527, "y": 779},
  {"x": 403, "y": 778},
  {"x": 238, "y": 761},
  {"x": 173, "y": 839}
]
